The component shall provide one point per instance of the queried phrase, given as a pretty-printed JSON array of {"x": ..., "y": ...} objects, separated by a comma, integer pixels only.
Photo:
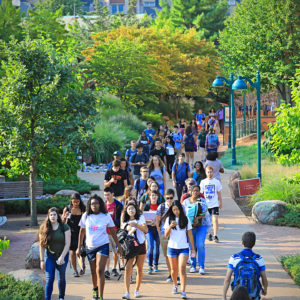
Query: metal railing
[{"x": 245, "y": 128}]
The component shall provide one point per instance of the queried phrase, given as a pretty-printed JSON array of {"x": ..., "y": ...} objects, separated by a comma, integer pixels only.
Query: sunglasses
[{"x": 169, "y": 198}]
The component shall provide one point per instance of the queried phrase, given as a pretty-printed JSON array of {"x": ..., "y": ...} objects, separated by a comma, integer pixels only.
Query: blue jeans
[
  {"x": 50, "y": 266},
  {"x": 153, "y": 242},
  {"x": 199, "y": 234}
]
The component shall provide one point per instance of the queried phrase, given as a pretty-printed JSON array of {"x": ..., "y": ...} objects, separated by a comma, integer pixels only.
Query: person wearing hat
[{"x": 117, "y": 155}]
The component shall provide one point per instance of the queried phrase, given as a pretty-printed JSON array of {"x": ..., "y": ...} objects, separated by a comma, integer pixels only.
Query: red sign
[{"x": 248, "y": 187}]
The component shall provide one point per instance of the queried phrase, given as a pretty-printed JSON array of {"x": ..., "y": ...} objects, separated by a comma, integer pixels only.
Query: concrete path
[{"x": 233, "y": 224}]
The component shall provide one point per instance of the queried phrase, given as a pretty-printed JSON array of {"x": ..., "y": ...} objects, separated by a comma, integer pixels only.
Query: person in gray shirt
[{"x": 211, "y": 160}]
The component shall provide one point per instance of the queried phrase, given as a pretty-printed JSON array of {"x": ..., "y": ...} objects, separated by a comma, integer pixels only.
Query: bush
[
  {"x": 12, "y": 289},
  {"x": 43, "y": 205},
  {"x": 4, "y": 245},
  {"x": 292, "y": 264},
  {"x": 79, "y": 185},
  {"x": 291, "y": 217},
  {"x": 155, "y": 118},
  {"x": 130, "y": 121}
]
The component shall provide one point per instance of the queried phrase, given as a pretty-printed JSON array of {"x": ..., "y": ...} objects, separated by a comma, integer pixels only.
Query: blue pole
[
  {"x": 233, "y": 129},
  {"x": 230, "y": 95},
  {"x": 258, "y": 132},
  {"x": 244, "y": 112}
]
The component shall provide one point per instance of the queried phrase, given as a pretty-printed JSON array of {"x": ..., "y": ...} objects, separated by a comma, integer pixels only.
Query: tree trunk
[
  {"x": 285, "y": 92},
  {"x": 32, "y": 187}
]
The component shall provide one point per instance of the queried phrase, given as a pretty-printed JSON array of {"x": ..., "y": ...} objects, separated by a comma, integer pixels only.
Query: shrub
[
  {"x": 291, "y": 217},
  {"x": 43, "y": 205},
  {"x": 130, "y": 121},
  {"x": 292, "y": 264},
  {"x": 155, "y": 118},
  {"x": 79, "y": 185},
  {"x": 12, "y": 289}
]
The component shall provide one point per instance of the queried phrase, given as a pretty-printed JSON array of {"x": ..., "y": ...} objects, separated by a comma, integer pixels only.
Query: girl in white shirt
[
  {"x": 178, "y": 229},
  {"x": 133, "y": 220},
  {"x": 94, "y": 223}
]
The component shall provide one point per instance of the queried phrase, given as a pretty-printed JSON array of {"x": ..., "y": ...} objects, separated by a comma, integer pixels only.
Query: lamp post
[
  {"x": 244, "y": 112},
  {"x": 219, "y": 82},
  {"x": 240, "y": 84}
]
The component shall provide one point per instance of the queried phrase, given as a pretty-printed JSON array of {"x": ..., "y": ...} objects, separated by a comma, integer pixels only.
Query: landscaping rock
[
  {"x": 235, "y": 175},
  {"x": 66, "y": 193},
  {"x": 27, "y": 275},
  {"x": 267, "y": 212},
  {"x": 234, "y": 188},
  {"x": 32, "y": 259}
]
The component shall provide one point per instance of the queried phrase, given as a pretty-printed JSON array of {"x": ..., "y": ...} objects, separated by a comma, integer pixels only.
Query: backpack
[
  {"x": 189, "y": 141},
  {"x": 129, "y": 244},
  {"x": 195, "y": 210},
  {"x": 246, "y": 273},
  {"x": 186, "y": 169},
  {"x": 212, "y": 140}
]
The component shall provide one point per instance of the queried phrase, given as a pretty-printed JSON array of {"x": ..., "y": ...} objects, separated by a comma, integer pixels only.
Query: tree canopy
[
  {"x": 67, "y": 6},
  {"x": 263, "y": 34}
]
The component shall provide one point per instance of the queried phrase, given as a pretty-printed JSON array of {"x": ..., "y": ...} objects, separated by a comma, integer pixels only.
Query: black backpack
[{"x": 129, "y": 244}]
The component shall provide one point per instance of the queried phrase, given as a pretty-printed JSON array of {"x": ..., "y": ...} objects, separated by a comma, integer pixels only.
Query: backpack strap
[{"x": 138, "y": 185}]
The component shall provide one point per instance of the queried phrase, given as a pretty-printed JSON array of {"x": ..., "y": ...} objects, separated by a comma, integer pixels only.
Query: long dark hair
[
  {"x": 171, "y": 141},
  {"x": 188, "y": 130},
  {"x": 202, "y": 170},
  {"x": 126, "y": 217},
  {"x": 47, "y": 230},
  {"x": 102, "y": 208},
  {"x": 183, "y": 220},
  {"x": 77, "y": 197}
]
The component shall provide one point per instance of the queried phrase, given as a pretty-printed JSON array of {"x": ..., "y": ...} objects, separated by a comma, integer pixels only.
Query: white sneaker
[
  {"x": 201, "y": 271},
  {"x": 175, "y": 289},
  {"x": 126, "y": 296},
  {"x": 137, "y": 294},
  {"x": 192, "y": 270}
]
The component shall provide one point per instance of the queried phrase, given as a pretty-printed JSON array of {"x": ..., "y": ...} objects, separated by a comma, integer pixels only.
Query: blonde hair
[
  {"x": 209, "y": 168},
  {"x": 151, "y": 164}
]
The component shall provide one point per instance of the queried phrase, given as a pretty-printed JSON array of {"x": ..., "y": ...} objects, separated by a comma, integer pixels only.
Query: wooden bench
[{"x": 16, "y": 190}]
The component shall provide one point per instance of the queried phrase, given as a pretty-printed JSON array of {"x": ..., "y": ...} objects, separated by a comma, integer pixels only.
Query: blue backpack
[
  {"x": 247, "y": 273},
  {"x": 195, "y": 210},
  {"x": 212, "y": 140}
]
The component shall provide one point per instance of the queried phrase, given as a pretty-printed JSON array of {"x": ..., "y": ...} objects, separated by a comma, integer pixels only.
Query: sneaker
[
  {"x": 216, "y": 239},
  {"x": 169, "y": 279},
  {"x": 210, "y": 238},
  {"x": 156, "y": 268},
  {"x": 137, "y": 294},
  {"x": 150, "y": 271},
  {"x": 126, "y": 296},
  {"x": 178, "y": 281},
  {"x": 175, "y": 289},
  {"x": 192, "y": 270},
  {"x": 201, "y": 271},
  {"x": 107, "y": 274},
  {"x": 114, "y": 272},
  {"x": 75, "y": 274},
  {"x": 95, "y": 295},
  {"x": 183, "y": 295}
]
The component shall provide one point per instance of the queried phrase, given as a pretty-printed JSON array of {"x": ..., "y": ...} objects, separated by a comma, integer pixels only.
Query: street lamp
[
  {"x": 219, "y": 82},
  {"x": 240, "y": 84}
]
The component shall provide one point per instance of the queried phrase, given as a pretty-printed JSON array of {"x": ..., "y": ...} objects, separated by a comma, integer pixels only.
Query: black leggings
[{"x": 170, "y": 163}]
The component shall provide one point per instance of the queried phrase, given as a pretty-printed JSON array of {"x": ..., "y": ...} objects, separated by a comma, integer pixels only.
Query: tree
[
  {"x": 42, "y": 106},
  {"x": 206, "y": 16},
  {"x": 285, "y": 132},
  {"x": 263, "y": 34},
  {"x": 10, "y": 21},
  {"x": 68, "y": 6}
]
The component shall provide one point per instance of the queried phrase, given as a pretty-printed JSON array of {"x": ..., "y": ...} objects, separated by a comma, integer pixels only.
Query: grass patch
[
  {"x": 43, "y": 205},
  {"x": 292, "y": 264},
  {"x": 291, "y": 218}
]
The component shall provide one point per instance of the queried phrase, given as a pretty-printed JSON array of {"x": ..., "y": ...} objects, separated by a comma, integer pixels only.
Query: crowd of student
[{"x": 137, "y": 200}]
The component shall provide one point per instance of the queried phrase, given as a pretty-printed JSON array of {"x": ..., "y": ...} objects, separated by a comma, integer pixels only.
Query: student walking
[
  {"x": 199, "y": 116},
  {"x": 140, "y": 184},
  {"x": 55, "y": 238},
  {"x": 124, "y": 166},
  {"x": 145, "y": 142},
  {"x": 152, "y": 236},
  {"x": 131, "y": 151},
  {"x": 216, "y": 164},
  {"x": 201, "y": 223},
  {"x": 212, "y": 141},
  {"x": 72, "y": 215},
  {"x": 159, "y": 151},
  {"x": 189, "y": 145},
  {"x": 211, "y": 189},
  {"x": 138, "y": 160},
  {"x": 177, "y": 138},
  {"x": 199, "y": 172},
  {"x": 178, "y": 230},
  {"x": 201, "y": 144},
  {"x": 134, "y": 221},
  {"x": 146, "y": 197},
  {"x": 180, "y": 172},
  {"x": 117, "y": 156},
  {"x": 158, "y": 171},
  {"x": 150, "y": 132},
  {"x": 240, "y": 263},
  {"x": 170, "y": 151},
  {"x": 93, "y": 226}
]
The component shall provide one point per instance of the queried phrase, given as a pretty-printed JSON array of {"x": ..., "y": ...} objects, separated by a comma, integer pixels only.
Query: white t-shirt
[
  {"x": 95, "y": 229},
  {"x": 140, "y": 234},
  {"x": 210, "y": 189},
  {"x": 178, "y": 238}
]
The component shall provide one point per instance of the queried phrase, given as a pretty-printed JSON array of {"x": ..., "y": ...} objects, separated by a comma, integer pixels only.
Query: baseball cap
[{"x": 117, "y": 153}]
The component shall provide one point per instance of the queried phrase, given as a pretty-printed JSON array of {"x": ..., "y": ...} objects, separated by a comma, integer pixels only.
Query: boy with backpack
[
  {"x": 138, "y": 160},
  {"x": 212, "y": 141},
  {"x": 211, "y": 189},
  {"x": 140, "y": 184},
  {"x": 180, "y": 172},
  {"x": 247, "y": 267}
]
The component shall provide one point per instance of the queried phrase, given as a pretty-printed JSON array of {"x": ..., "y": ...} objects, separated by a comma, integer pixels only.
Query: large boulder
[
  {"x": 233, "y": 184},
  {"x": 267, "y": 212},
  {"x": 66, "y": 193},
  {"x": 32, "y": 259},
  {"x": 27, "y": 275}
]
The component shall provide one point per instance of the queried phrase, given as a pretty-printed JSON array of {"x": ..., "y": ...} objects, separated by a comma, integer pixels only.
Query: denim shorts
[
  {"x": 171, "y": 252},
  {"x": 102, "y": 250}
]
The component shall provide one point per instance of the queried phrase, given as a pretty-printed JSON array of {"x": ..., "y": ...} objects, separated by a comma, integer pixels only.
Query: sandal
[
  {"x": 82, "y": 272},
  {"x": 75, "y": 274}
]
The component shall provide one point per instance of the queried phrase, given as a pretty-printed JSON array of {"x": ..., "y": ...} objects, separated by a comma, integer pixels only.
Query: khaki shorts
[
  {"x": 112, "y": 244},
  {"x": 164, "y": 243}
]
